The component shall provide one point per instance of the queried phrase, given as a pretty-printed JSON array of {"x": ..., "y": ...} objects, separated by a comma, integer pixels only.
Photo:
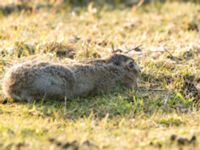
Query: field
[{"x": 165, "y": 42}]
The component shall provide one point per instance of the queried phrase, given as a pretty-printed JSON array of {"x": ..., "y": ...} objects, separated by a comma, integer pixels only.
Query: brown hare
[{"x": 44, "y": 80}]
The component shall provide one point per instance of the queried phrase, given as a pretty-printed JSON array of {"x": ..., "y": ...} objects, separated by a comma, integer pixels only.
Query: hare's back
[{"x": 38, "y": 79}]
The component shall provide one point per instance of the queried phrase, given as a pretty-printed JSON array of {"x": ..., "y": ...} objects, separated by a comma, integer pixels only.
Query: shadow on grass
[{"x": 119, "y": 103}]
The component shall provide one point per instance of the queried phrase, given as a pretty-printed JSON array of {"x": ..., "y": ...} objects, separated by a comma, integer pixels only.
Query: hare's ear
[
  {"x": 112, "y": 62},
  {"x": 116, "y": 63}
]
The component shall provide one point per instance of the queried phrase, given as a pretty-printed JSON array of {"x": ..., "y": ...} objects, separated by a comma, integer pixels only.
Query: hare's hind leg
[{"x": 22, "y": 97}]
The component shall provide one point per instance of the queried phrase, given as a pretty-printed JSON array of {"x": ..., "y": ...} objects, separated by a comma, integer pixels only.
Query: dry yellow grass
[{"x": 146, "y": 119}]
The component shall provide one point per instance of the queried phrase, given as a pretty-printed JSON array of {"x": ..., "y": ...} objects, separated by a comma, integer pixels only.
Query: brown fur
[{"x": 44, "y": 80}]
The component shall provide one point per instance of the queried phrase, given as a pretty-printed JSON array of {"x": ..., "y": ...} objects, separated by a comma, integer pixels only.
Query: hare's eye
[{"x": 131, "y": 65}]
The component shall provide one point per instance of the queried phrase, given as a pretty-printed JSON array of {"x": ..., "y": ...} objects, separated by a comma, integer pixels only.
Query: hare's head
[{"x": 132, "y": 70}]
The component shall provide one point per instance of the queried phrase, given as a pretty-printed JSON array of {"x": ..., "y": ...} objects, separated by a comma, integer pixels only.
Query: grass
[{"x": 163, "y": 108}]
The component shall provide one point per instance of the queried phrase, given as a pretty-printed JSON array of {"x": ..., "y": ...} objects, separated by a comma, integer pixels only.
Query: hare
[
  {"x": 44, "y": 80},
  {"x": 38, "y": 80}
]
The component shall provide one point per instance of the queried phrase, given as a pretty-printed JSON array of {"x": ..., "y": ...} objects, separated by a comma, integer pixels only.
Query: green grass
[{"x": 124, "y": 119}]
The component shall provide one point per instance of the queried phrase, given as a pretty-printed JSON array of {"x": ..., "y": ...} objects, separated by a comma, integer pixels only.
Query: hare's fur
[{"x": 44, "y": 80}]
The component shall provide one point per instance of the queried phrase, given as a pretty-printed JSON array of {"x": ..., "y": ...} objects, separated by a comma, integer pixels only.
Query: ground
[{"x": 161, "y": 114}]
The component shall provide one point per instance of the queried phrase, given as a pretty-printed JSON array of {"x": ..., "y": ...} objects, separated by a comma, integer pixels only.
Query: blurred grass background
[{"x": 161, "y": 115}]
